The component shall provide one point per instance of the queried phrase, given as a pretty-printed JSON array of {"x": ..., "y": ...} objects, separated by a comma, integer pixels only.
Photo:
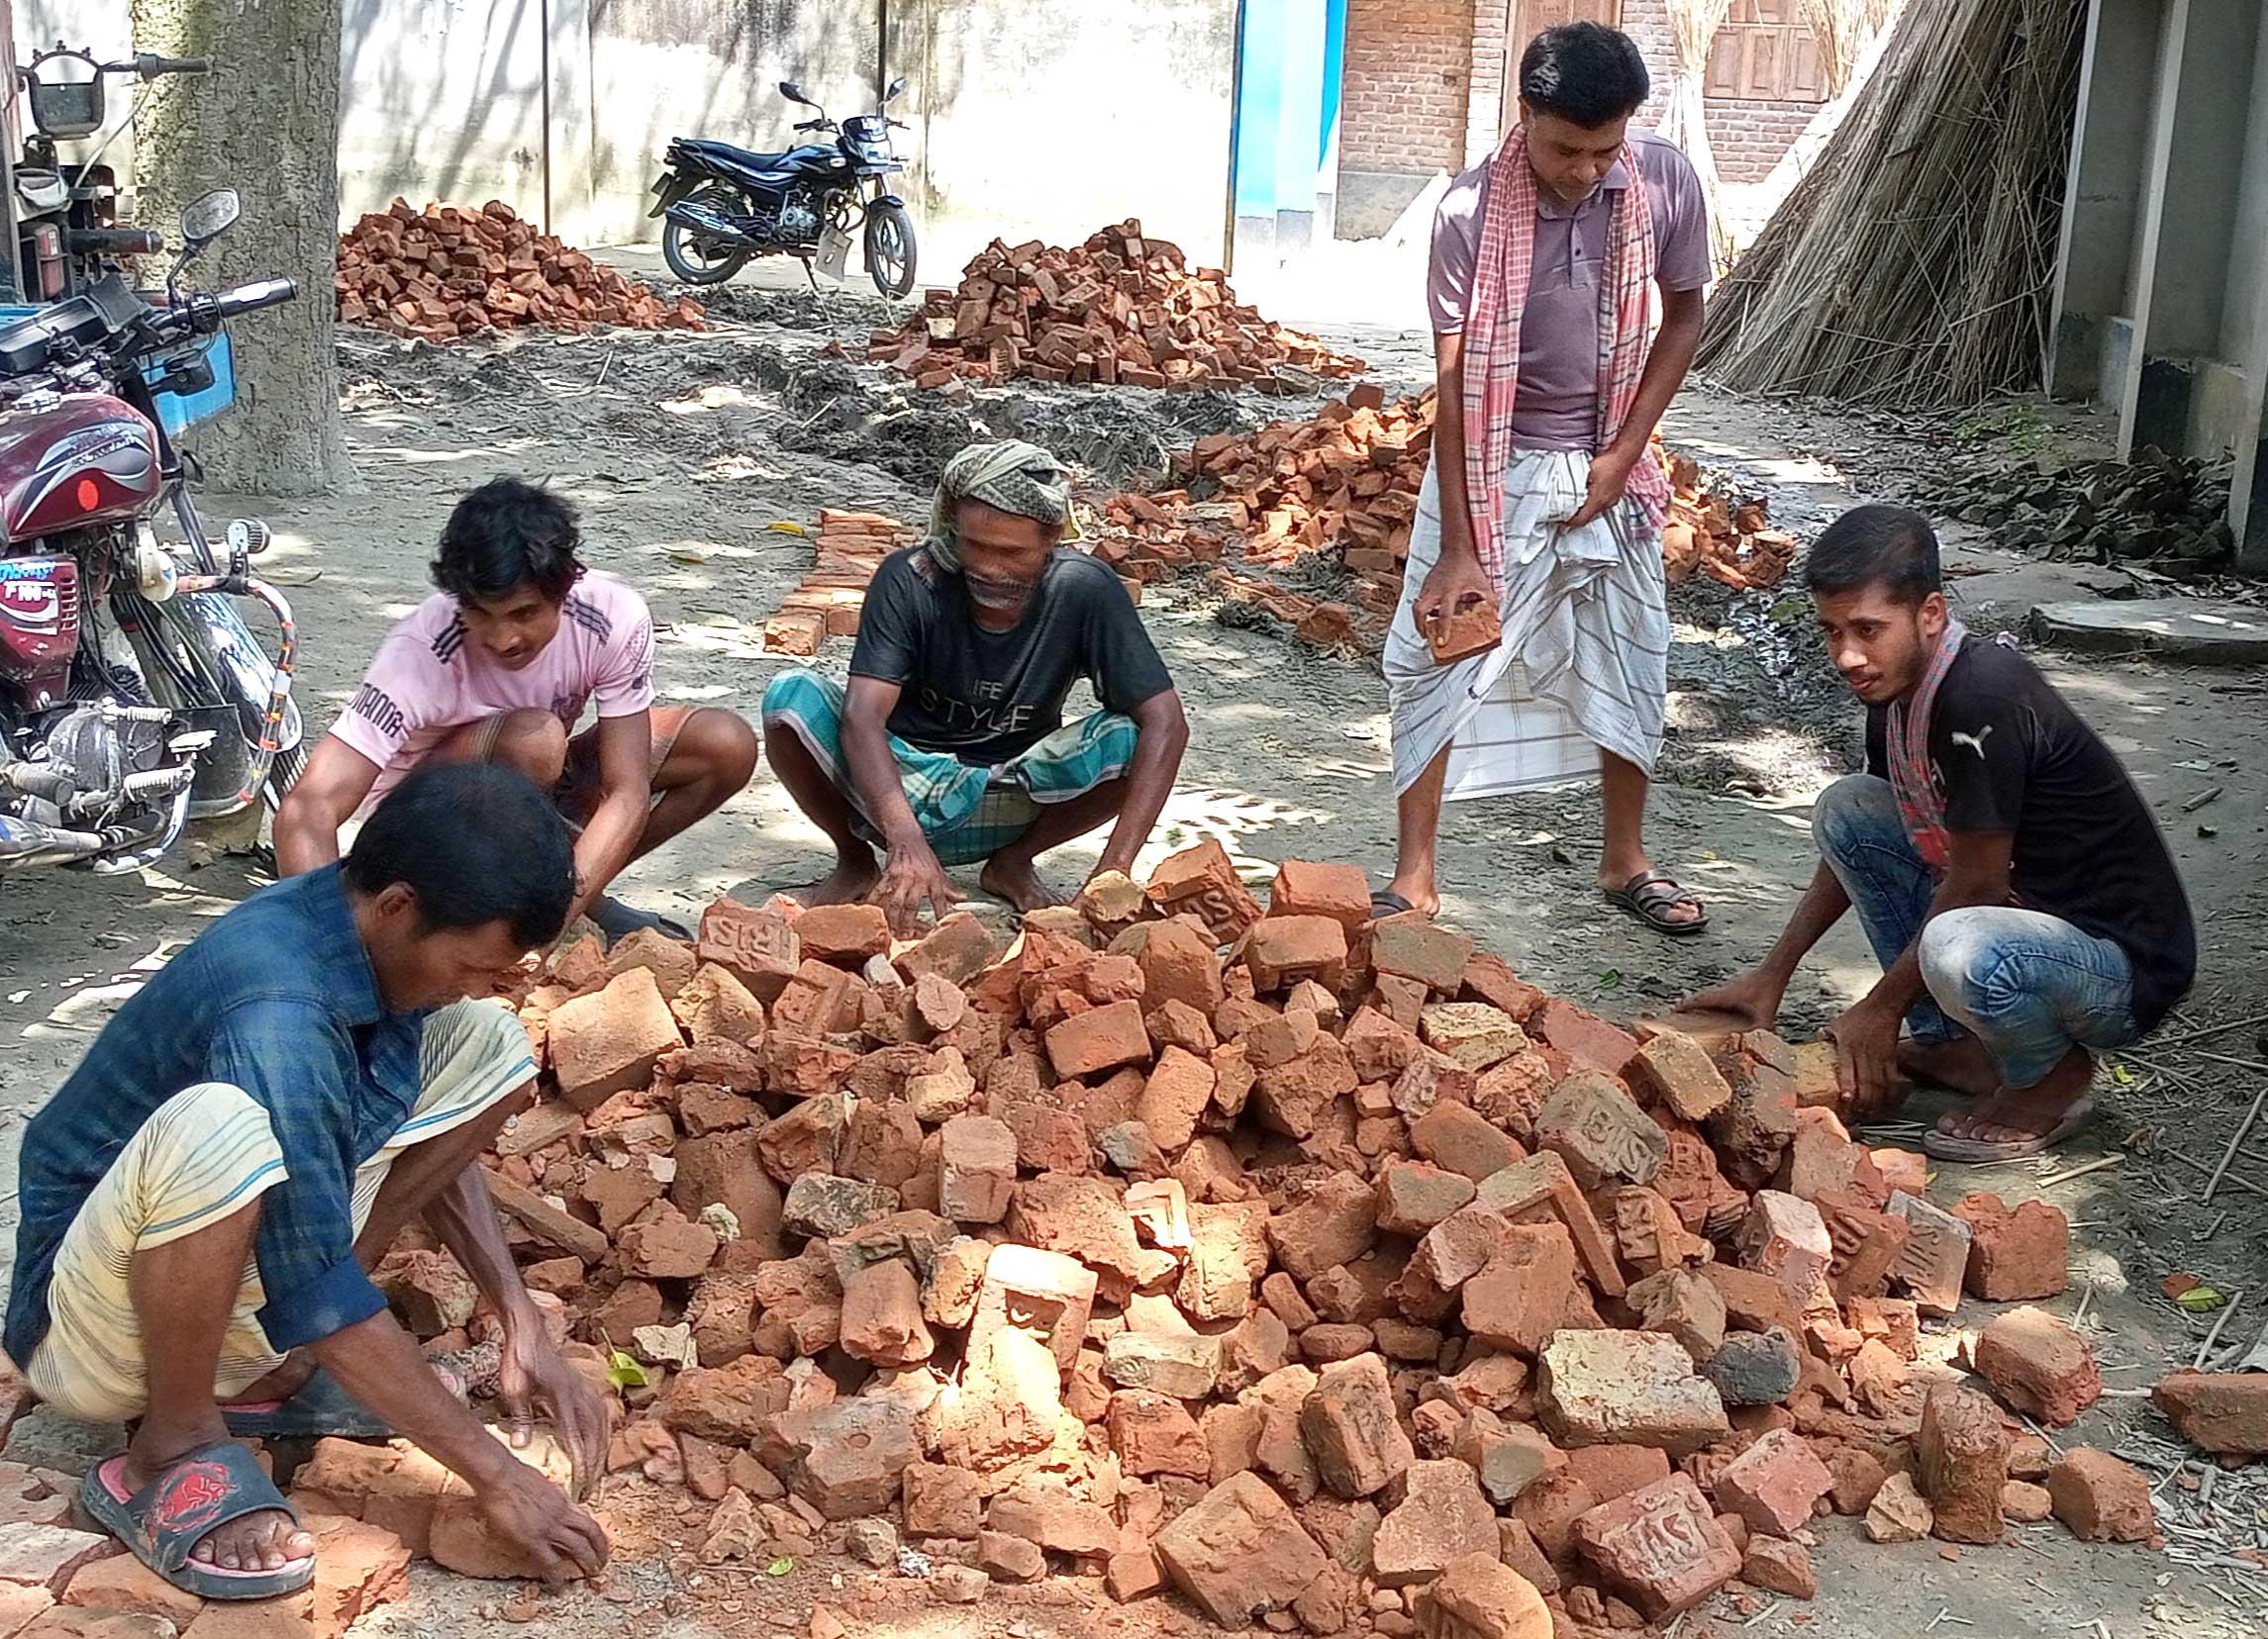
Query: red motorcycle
[{"x": 132, "y": 695}]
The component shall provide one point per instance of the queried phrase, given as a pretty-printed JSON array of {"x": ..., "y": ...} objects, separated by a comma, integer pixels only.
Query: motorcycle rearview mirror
[
  {"x": 206, "y": 219},
  {"x": 794, "y": 94},
  {"x": 897, "y": 90}
]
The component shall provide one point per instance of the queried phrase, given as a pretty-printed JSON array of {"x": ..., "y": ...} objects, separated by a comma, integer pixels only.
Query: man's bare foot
[
  {"x": 264, "y": 1541},
  {"x": 852, "y": 880},
  {"x": 1018, "y": 880},
  {"x": 1963, "y": 1064},
  {"x": 2014, "y": 1114}
]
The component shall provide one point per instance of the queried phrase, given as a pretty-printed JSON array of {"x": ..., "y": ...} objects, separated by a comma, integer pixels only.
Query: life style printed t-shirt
[
  {"x": 987, "y": 696},
  {"x": 432, "y": 678},
  {"x": 1557, "y": 406},
  {"x": 2010, "y": 755}
]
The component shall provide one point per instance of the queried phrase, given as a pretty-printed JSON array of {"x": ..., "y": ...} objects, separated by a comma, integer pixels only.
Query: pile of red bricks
[
  {"x": 828, "y": 601},
  {"x": 1728, "y": 540},
  {"x": 1312, "y": 1266},
  {"x": 451, "y": 272},
  {"x": 1122, "y": 309},
  {"x": 1344, "y": 486}
]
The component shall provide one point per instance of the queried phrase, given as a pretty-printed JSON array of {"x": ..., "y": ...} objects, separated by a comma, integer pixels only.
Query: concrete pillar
[
  {"x": 1259, "y": 129},
  {"x": 569, "y": 133},
  {"x": 2102, "y": 199},
  {"x": 1299, "y": 123},
  {"x": 2205, "y": 70}
]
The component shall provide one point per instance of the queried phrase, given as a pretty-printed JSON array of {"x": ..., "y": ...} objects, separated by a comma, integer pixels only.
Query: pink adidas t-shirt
[{"x": 430, "y": 678}]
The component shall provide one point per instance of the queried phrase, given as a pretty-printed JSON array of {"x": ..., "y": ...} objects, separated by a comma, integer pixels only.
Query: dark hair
[
  {"x": 1892, "y": 547},
  {"x": 506, "y": 534},
  {"x": 1585, "y": 73},
  {"x": 477, "y": 844}
]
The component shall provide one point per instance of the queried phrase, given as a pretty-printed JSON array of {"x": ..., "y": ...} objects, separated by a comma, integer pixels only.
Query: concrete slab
[
  {"x": 2000, "y": 589},
  {"x": 2195, "y": 630}
]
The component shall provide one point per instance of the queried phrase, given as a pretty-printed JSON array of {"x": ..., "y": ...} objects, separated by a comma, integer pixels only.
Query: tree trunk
[{"x": 264, "y": 121}]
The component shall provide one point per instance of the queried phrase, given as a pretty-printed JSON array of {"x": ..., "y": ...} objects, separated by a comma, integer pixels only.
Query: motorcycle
[
  {"x": 68, "y": 230},
  {"x": 132, "y": 695},
  {"x": 721, "y": 205}
]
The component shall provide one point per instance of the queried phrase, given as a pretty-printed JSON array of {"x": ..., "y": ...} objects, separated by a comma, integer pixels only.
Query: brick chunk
[
  {"x": 2221, "y": 1412},
  {"x": 958, "y": 949},
  {"x": 1458, "y": 1139},
  {"x": 2038, "y": 1364},
  {"x": 1349, "y": 1426},
  {"x": 1935, "y": 1259},
  {"x": 1047, "y": 1294},
  {"x": 610, "y": 1041},
  {"x": 1675, "y": 1070},
  {"x": 1339, "y": 892},
  {"x": 1241, "y": 1551},
  {"x": 1472, "y": 1035},
  {"x": 1479, "y": 1596},
  {"x": 1174, "y": 1097},
  {"x": 1600, "y": 1387},
  {"x": 844, "y": 934},
  {"x": 2101, "y": 1499},
  {"x": 1774, "y": 1483},
  {"x": 1414, "y": 1196},
  {"x": 1660, "y": 1548},
  {"x": 1336, "y": 1223},
  {"x": 1964, "y": 1452},
  {"x": 1441, "y": 1517},
  {"x": 1101, "y": 1039},
  {"x": 1787, "y": 1239},
  {"x": 1605, "y": 1138},
  {"x": 1418, "y": 948},
  {"x": 1284, "y": 951},
  {"x": 1544, "y": 1181},
  {"x": 758, "y": 948},
  {"x": 1516, "y": 1302},
  {"x": 1201, "y": 882},
  {"x": 976, "y": 1182},
  {"x": 1583, "y": 1036},
  {"x": 2014, "y": 1254}
]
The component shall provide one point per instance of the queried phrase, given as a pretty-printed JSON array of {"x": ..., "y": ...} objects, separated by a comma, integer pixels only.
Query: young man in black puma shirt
[{"x": 2012, "y": 880}]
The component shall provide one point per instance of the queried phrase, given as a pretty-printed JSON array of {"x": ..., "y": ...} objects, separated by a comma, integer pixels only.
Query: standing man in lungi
[{"x": 1543, "y": 502}]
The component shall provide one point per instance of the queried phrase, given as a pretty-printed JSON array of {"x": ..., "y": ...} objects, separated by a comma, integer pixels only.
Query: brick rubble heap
[
  {"x": 451, "y": 272},
  {"x": 1122, "y": 309},
  {"x": 1342, "y": 485}
]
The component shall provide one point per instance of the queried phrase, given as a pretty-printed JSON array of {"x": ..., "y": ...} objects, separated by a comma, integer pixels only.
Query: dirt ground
[{"x": 686, "y": 451}]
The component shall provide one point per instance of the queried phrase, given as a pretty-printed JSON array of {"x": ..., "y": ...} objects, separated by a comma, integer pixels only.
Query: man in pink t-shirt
[{"x": 497, "y": 666}]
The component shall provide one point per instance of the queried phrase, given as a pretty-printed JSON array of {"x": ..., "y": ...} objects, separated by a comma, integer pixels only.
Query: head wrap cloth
[{"x": 1009, "y": 476}]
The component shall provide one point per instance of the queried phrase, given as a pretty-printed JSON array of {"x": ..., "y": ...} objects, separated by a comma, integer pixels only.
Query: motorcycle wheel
[
  {"x": 890, "y": 248},
  {"x": 691, "y": 257}
]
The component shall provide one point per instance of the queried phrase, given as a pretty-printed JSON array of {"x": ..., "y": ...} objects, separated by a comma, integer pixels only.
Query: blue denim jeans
[{"x": 2028, "y": 984}]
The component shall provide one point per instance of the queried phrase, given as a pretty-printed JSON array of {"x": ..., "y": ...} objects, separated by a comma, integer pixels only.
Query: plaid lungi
[{"x": 968, "y": 812}]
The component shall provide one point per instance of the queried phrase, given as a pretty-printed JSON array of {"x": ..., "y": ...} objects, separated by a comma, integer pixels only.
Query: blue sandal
[{"x": 163, "y": 1523}]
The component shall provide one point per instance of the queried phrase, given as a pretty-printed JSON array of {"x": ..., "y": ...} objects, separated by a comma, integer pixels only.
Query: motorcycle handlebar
[
  {"x": 260, "y": 293},
  {"x": 117, "y": 242},
  {"x": 150, "y": 66}
]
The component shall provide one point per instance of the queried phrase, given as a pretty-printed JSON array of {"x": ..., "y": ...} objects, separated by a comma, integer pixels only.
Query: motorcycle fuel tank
[
  {"x": 39, "y": 625},
  {"x": 89, "y": 459}
]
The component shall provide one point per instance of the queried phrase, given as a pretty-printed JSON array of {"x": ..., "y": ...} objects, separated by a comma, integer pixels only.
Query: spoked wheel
[
  {"x": 890, "y": 248},
  {"x": 694, "y": 257}
]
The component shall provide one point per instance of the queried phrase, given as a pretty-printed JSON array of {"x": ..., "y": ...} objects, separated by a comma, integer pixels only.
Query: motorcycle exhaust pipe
[
  {"x": 24, "y": 843},
  {"x": 711, "y": 223}
]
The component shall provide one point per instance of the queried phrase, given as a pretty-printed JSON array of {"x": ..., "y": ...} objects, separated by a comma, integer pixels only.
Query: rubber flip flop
[
  {"x": 1943, "y": 1146},
  {"x": 1649, "y": 894},
  {"x": 320, "y": 1408},
  {"x": 1387, "y": 903},
  {"x": 163, "y": 1523},
  {"x": 617, "y": 920}
]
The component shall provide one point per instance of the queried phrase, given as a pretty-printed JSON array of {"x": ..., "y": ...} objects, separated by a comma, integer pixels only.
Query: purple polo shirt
[{"x": 1557, "y": 404}]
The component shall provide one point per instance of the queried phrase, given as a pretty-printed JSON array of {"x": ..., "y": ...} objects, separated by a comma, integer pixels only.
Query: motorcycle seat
[{"x": 769, "y": 171}]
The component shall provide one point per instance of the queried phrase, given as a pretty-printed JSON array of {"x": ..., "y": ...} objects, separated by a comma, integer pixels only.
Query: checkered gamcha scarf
[
  {"x": 1009, "y": 476},
  {"x": 1906, "y": 748},
  {"x": 1492, "y": 335}
]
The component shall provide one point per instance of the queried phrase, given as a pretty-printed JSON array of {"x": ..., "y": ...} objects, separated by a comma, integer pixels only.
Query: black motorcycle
[{"x": 722, "y": 205}]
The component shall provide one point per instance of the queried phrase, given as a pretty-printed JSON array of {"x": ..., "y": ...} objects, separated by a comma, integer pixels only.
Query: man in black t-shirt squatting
[
  {"x": 2010, "y": 877},
  {"x": 948, "y": 745}
]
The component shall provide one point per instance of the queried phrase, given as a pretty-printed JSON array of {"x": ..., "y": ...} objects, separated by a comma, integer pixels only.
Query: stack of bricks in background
[
  {"x": 1344, "y": 485},
  {"x": 450, "y": 272},
  {"x": 1120, "y": 308},
  {"x": 1314, "y": 1267},
  {"x": 852, "y": 546}
]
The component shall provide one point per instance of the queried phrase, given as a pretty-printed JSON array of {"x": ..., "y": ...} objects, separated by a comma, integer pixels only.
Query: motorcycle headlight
[{"x": 870, "y": 150}]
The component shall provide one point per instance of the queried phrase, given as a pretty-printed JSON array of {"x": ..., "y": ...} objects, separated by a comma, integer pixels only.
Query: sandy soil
[{"x": 685, "y": 450}]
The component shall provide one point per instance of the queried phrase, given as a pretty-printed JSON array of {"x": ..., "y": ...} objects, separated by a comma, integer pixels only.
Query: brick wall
[
  {"x": 1647, "y": 23},
  {"x": 1402, "y": 91},
  {"x": 1748, "y": 138}
]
